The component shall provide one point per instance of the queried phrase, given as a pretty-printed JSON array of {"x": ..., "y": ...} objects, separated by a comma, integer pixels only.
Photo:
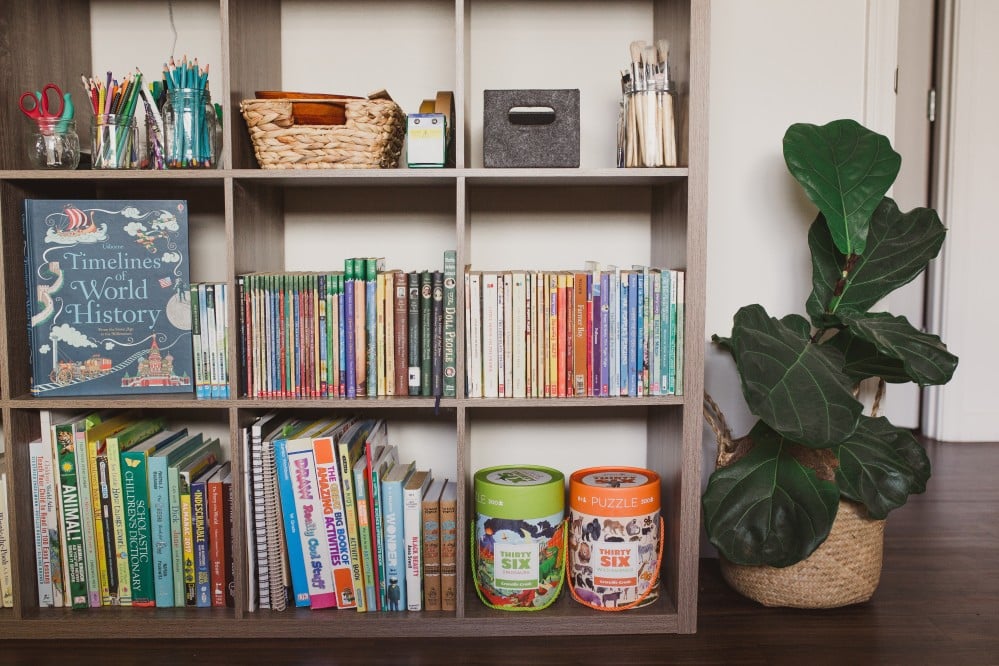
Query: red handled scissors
[{"x": 37, "y": 105}]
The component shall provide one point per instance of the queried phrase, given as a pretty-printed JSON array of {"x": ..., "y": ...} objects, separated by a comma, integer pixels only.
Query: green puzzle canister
[
  {"x": 615, "y": 537},
  {"x": 519, "y": 534}
]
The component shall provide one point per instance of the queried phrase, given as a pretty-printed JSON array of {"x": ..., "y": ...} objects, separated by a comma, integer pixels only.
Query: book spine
[
  {"x": 604, "y": 333},
  {"x": 431, "y": 551},
  {"x": 346, "y": 459},
  {"x": 400, "y": 322},
  {"x": 199, "y": 371},
  {"x": 107, "y": 531},
  {"x": 597, "y": 339},
  {"x": 43, "y": 504},
  {"x": 222, "y": 321},
  {"x": 665, "y": 325},
  {"x": 490, "y": 321},
  {"x": 360, "y": 327},
  {"x": 507, "y": 334},
  {"x": 450, "y": 351},
  {"x": 473, "y": 308},
  {"x": 87, "y": 517},
  {"x": 322, "y": 342},
  {"x": 378, "y": 539},
  {"x": 341, "y": 286},
  {"x": 159, "y": 523},
  {"x": 6, "y": 565},
  {"x": 426, "y": 333},
  {"x": 614, "y": 330},
  {"x": 633, "y": 334},
  {"x": 412, "y": 519},
  {"x": 551, "y": 364},
  {"x": 293, "y": 542},
  {"x": 624, "y": 334},
  {"x": 72, "y": 528},
  {"x": 655, "y": 357},
  {"x": 501, "y": 326},
  {"x": 328, "y": 482},
  {"x": 277, "y": 595},
  {"x": 437, "y": 333},
  {"x": 216, "y": 543},
  {"x": 579, "y": 369},
  {"x": 180, "y": 528},
  {"x": 135, "y": 500},
  {"x": 589, "y": 334},
  {"x": 364, "y": 535},
  {"x": 518, "y": 313},
  {"x": 199, "y": 531},
  {"x": 560, "y": 328},
  {"x": 680, "y": 317},
  {"x": 413, "y": 352},
  {"x": 395, "y": 546},
  {"x": 311, "y": 523},
  {"x": 229, "y": 589},
  {"x": 449, "y": 551},
  {"x": 386, "y": 331},
  {"x": 350, "y": 353},
  {"x": 371, "y": 325}
]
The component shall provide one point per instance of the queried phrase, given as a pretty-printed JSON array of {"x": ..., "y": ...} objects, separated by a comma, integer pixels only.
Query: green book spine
[
  {"x": 450, "y": 323},
  {"x": 135, "y": 492},
  {"x": 371, "y": 324},
  {"x": 413, "y": 296},
  {"x": 426, "y": 333},
  {"x": 76, "y": 585}
]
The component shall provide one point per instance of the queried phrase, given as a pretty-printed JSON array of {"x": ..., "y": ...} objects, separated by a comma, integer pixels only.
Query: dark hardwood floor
[{"x": 938, "y": 603}]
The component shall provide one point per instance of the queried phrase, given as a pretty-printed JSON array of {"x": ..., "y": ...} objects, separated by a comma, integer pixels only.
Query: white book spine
[
  {"x": 507, "y": 332},
  {"x": 43, "y": 501},
  {"x": 412, "y": 521},
  {"x": 518, "y": 292},
  {"x": 475, "y": 316},
  {"x": 490, "y": 320},
  {"x": 6, "y": 567},
  {"x": 614, "y": 300}
]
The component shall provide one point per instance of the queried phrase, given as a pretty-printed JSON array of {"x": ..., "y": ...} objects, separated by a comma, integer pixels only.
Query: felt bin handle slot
[{"x": 531, "y": 115}]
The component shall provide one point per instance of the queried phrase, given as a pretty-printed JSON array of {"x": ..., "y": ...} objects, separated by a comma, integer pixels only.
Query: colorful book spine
[
  {"x": 450, "y": 346},
  {"x": 311, "y": 522},
  {"x": 6, "y": 566},
  {"x": 159, "y": 521},
  {"x": 400, "y": 322},
  {"x": 431, "y": 546},
  {"x": 187, "y": 472},
  {"x": 634, "y": 336},
  {"x": 328, "y": 479},
  {"x": 364, "y": 533},
  {"x": 293, "y": 542},
  {"x": 381, "y": 464},
  {"x": 72, "y": 525},
  {"x": 605, "y": 333},
  {"x": 350, "y": 448},
  {"x": 680, "y": 317},
  {"x": 490, "y": 332},
  {"x": 624, "y": 334},
  {"x": 199, "y": 531},
  {"x": 348, "y": 322},
  {"x": 86, "y": 509},
  {"x": 666, "y": 361},
  {"x": 437, "y": 333},
  {"x": 395, "y": 541},
  {"x": 360, "y": 326},
  {"x": 201, "y": 388},
  {"x": 579, "y": 368},
  {"x": 219, "y": 536},
  {"x": 371, "y": 268},
  {"x": 386, "y": 355}
]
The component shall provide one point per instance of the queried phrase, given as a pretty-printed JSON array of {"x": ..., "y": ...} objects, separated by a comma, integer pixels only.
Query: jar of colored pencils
[
  {"x": 115, "y": 141},
  {"x": 189, "y": 124}
]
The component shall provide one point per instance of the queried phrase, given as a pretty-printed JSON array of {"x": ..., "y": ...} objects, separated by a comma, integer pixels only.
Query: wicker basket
[
  {"x": 845, "y": 569},
  {"x": 371, "y": 138}
]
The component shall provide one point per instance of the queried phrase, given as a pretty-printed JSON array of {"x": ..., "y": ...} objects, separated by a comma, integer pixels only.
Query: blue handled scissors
[{"x": 37, "y": 107}]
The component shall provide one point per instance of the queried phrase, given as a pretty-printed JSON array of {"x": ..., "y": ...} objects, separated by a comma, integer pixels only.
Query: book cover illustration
[{"x": 108, "y": 297}]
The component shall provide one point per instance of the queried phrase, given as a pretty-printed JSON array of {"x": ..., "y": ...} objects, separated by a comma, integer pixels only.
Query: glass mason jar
[
  {"x": 114, "y": 141},
  {"x": 54, "y": 144},
  {"x": 189, "y": 126}
]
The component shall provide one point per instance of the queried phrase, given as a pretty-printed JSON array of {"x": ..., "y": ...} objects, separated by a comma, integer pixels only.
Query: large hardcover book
[
  {"x": 412, "y": 522},
  {"x": 395, "y": 542},
  {"x": 108, "y": 297},
  {"x": 379, "y": 466}
]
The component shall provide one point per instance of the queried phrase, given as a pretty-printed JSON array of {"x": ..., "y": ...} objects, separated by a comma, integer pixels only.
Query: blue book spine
[
  {"x": 633, "y": 336},
  {"x": 348, "y": 328},
  {"x": 159, "y": 514},
  {"x": 604, "y": 333},
  {"x": 296, "y": 563},
  {"x": 199, "y": 524},
  {"x": 395, "y": 545}
]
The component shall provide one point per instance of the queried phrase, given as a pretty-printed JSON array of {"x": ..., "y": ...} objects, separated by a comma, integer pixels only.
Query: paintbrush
[
  {"x": 669, "y": 117},
  {"x": 638, "y": 116}
]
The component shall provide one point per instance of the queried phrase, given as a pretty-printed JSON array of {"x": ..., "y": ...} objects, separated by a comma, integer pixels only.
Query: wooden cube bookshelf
[{"x": 246, "y": 219}]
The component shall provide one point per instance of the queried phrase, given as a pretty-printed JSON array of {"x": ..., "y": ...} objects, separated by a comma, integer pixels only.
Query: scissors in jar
[{"x": 39, "y": 107}]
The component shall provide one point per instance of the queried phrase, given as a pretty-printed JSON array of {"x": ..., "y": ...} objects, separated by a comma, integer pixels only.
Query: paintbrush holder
[
  {"x": 648, "y": 127},
  {"x": 190, "y": 129}
]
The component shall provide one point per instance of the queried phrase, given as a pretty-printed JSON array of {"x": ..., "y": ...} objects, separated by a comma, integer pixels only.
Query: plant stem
[{"x": 841, "y": 284}]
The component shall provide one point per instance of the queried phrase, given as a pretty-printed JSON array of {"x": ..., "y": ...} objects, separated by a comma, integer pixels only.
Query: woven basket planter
[
  {"x": 371, "y": 138},
  {"x": 845, "y": 569}
]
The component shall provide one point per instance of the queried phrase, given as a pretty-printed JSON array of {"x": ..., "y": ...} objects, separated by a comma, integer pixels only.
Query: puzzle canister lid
[
  {"x": 614, "y": 491},
  {"x": 519, "y": 492}
]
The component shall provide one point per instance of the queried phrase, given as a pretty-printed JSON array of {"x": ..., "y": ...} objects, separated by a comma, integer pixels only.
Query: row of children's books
[
  {"x": 363, "y": 331},
  {"x": 209, "y": 326},
  {"x": 601, "y": 331},
  {"x": 336, "y": 519},
  {"x": 130, "y": 512},
  {"x": 6, "y": 568}
]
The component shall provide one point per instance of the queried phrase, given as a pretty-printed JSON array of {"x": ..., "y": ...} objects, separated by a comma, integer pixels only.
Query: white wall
[{"x": 773, "y": 63}]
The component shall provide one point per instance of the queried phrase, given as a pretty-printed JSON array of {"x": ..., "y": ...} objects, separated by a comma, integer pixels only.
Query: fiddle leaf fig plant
[{"x": 799, "y": 374}]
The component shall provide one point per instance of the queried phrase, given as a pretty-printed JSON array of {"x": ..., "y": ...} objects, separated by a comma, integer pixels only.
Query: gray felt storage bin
[{"x": 520, "y": 131}]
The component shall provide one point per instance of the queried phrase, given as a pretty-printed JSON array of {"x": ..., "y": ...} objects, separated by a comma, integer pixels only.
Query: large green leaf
[
  {"x": 767, "y": 508},
  {"x": 845, "y": 169},
  {"x": 924, "y": 356},
  {"x": 880, "y": 466},
  {"x": 796, "y": 386},
  {"x": 899, "y": 247},
  {"x": 864, "y": 361}
]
